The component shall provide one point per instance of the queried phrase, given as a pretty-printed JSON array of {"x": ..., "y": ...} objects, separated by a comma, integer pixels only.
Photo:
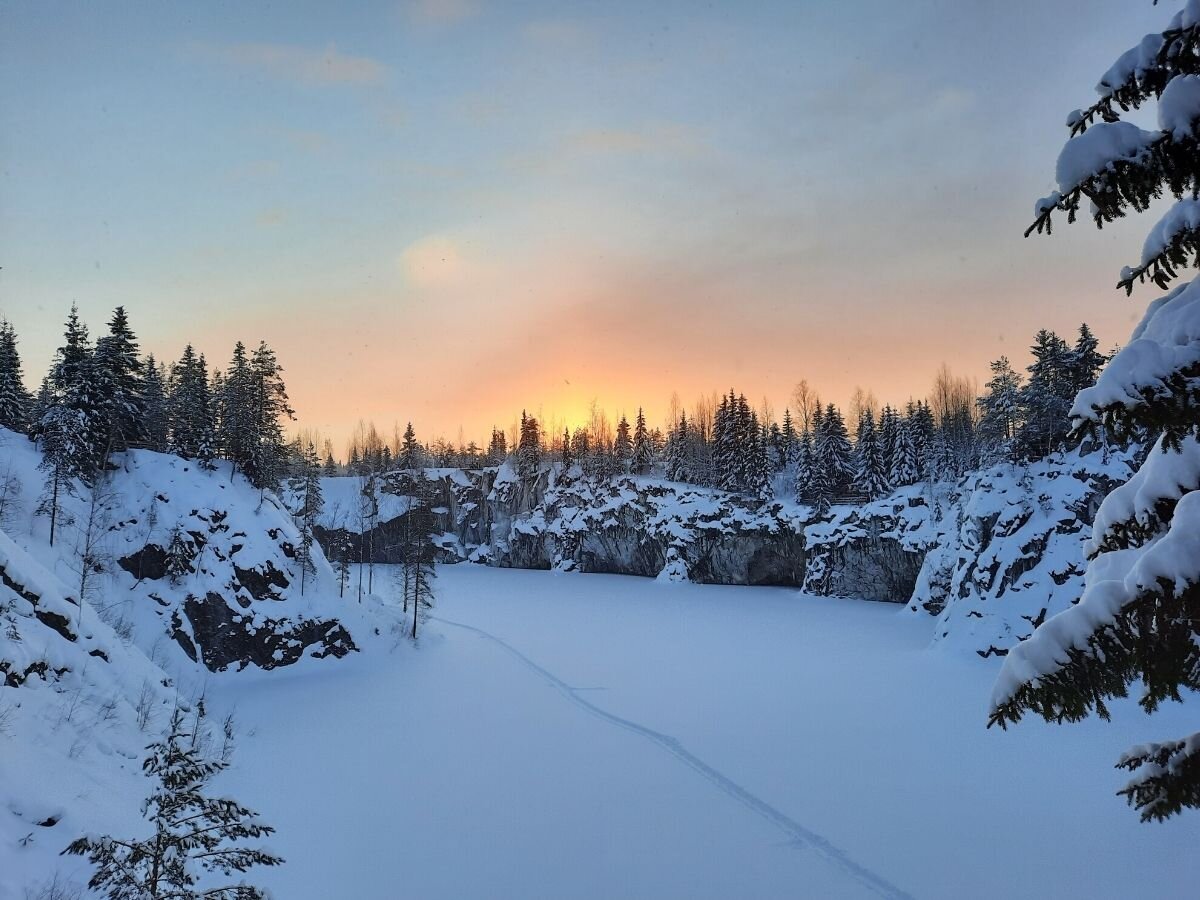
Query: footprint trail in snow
[{"x": 796, "y": 832}]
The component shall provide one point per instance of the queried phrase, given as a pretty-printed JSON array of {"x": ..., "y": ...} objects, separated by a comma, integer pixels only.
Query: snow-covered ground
[{"x": 564, "y": 735}]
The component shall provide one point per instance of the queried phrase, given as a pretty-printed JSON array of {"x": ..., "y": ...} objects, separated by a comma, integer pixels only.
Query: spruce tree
[
  {"x": 62, "y": 435},
  {"x": 271, "y": 405},
  {"x": 622, "y": 445},
  {"x": 678, "y": 456},
  {"x": 1135, "y": 622},
  {"x": 16, "y": 405},
  {"x": 497, "y": 448},
  {"x": 119, "y": 385},
  {"x": 417, "y": 570},
  {"x": 237, "y": 432},
  {"x": 832, "y": 452},
  {"x": 889, "y": 435},
  {"x": 643, "y": 447},
  {"x": 870, "y": 475},
  {"x": 787, "y": 440},
  {"x": 1000, "y": 410},
  {"x": 157, "y": 425},
  {"x": 804, "y": 466},
  {"x": 906, "y": 464},
  {"x": 411, "y": 456},
  {"x": 1046, "y": 398},
  {"x": 191, "y": 409},
  {"x": 70, "y": 400},
  {"x": 1084, "y": 361},
  {"x": 566, "y": 456},
  {"x": 307, "y": 484},
  {"x": 529, "y": 448},
  {"x": 193, "y": 833}
]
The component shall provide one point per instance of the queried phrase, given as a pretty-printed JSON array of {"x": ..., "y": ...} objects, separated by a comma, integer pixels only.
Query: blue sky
[{"x": 444, "y": 210}]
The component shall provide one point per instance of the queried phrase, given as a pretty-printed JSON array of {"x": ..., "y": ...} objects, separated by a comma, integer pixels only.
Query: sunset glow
[{"x": 418, "y": 210}]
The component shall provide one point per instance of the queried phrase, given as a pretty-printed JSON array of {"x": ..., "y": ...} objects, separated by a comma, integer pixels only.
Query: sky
[{"x": 442, "y": 211}]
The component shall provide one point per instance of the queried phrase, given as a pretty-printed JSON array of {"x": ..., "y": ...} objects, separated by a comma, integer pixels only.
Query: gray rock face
[
  {"x": 218, "y": 637},
  {"x": 625, "y": 526}
]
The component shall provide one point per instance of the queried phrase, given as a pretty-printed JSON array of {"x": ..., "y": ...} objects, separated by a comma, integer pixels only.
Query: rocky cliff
[{"x": 988, "y": 556}]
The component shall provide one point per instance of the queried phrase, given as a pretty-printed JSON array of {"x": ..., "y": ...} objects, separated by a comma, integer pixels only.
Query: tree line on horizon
[{"x": 103, "y": 397}]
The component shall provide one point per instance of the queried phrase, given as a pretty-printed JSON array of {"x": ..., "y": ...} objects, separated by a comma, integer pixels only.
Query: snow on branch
[
  {"x": 1116, "y": 582},
  {"x": 1168, "y": 779},
  {"x": 1173, "y": 243}
]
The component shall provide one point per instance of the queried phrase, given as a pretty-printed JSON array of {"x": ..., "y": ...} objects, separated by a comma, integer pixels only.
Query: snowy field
[{"x": 587, "y": 736}]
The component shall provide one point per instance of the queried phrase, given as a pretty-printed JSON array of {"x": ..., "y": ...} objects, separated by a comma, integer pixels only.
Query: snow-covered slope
[
  {"x": 191, "y": 563},
  {"x": 76, "y": 705},
  {"x": 188, "y": 573}
]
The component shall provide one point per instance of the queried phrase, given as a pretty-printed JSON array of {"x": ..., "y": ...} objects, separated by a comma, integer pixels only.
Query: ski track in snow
[{"x": 797, "y": 833}]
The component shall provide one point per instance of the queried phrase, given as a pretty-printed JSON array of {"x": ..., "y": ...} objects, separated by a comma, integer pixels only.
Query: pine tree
[
  {"x": 643, "y": 446},
  {"x": 870, "y": 475},
  {"x": 16, "y": 405},
  {"x": 1135, "y": 622},
  {"x": 118, "y": 381},
  {"x": 192, "y": 831},
  {"x": 157, "y": 424}
]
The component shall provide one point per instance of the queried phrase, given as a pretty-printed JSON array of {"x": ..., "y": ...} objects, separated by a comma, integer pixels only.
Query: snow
[
  {"x": 1114, "y": 580},
  {"x": 1183, "y": 216},
  {"x": 1097, "y": 150},
  {"x": 1179, "y": 106},
  {"x": 1131, "y": 65},
  {"x": 1163, "y": 477},
  {"x": 564, "y": 735},
  {"x": 1165, "y": 341}
]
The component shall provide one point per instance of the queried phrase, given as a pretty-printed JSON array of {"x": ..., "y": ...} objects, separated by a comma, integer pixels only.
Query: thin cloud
[
  {"x": 558, "y": 35},
  {"x": 665, "y": 138},
  {"x": 301, "y": 65},
  {"x": 441, "y": 12}
]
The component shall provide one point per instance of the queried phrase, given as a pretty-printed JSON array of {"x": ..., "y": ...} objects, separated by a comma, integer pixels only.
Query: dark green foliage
[
  {"x": 16, "y": 405},
  {"x": 118, "y": 387},
  {"x": 1151, "y": 636},
  {"x": 194, "y": 833}
]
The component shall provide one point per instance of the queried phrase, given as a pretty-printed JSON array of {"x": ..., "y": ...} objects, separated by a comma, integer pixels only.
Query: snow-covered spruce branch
[{"x": 1168, "y": 777}]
